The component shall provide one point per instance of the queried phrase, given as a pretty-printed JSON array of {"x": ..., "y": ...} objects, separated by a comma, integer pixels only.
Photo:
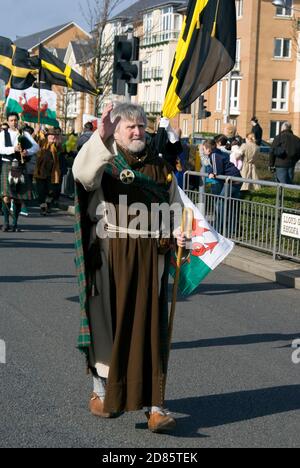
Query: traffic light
[
  {"x": 203, "y": 112},
  {"x": 127, "y": 68}
]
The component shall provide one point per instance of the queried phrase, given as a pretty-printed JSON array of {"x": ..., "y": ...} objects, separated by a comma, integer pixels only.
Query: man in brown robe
[{"x": 127, "y": 271}]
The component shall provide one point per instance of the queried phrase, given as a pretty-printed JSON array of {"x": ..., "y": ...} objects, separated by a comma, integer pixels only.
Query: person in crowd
[
  {"x": 71, "y": 144},
  {"x": 223, "y": 144},
  {"x": 230, "y": 132},
  {"x": 256, "y": 130},
  {"x": 126, "y": 275},
  {"x": 48, "y": 169},
  {"x": 4, "y": 126},
  {"x": 16, "y": 148},
  {"x": 220, "y": 165},
  {"x": 88, "y": 131},
  {"x": 236, "y": 155},
  {"x": 250, "y": 153},
  {"x": 285, "y": 153}
]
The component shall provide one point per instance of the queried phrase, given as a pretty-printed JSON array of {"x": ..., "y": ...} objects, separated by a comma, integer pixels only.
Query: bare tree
[
  {"x": 97, "y": 14},
  {"x": 64, "y": 102}
]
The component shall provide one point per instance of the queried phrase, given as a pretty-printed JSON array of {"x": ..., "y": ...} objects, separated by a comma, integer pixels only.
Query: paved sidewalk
[
  {"x": 283, "y": 272},
  {"x": 280, "y": 271}
]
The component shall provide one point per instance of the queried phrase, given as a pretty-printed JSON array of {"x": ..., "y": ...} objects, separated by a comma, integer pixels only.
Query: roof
[
  {"x": 83, "y": 51},
  {"x": 60, "y": 53},
  {"x": 138, "y": 8},
  {"x": 32, "y": 41}
]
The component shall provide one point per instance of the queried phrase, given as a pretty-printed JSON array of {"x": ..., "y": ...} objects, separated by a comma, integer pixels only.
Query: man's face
[
  {"x": 130, "y": 135},
  {"x": 52, "y": 139},
  {"x": 13, "y": 122}
]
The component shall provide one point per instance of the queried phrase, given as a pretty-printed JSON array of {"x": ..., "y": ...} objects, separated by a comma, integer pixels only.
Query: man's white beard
[{"x": 136, "y": 146}]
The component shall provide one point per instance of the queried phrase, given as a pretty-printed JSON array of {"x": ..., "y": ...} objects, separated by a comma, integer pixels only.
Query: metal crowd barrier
[{"x": 271, "y": 227}]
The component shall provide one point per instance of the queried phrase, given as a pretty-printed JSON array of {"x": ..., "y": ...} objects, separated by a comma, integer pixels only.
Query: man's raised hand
[{"x": 107, "y": 127}]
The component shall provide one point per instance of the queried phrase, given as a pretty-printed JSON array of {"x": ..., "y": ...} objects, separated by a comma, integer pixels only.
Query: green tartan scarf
[
  {"x": 84, "y": 338},
  {"x": 154, "y": 191}
]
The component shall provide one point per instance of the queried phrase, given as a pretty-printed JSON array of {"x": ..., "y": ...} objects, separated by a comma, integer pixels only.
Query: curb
[{"x": 282, "y": 272}]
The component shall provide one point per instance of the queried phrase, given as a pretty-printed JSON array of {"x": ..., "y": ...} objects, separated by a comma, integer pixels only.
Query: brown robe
[{"x": 137, "y": 292}]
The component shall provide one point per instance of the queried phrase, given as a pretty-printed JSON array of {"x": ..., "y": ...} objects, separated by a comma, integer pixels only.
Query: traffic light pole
[{"x": 127, "y": 94}]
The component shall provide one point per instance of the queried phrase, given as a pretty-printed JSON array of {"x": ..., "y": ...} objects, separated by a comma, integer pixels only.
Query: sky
[{"x": 25, "y": 17}]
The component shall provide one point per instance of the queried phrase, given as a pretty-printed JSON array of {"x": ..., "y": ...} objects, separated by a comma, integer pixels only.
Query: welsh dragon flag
[
  {"x": 208, "y": 250},
  {"x": 26, "y": 103}
]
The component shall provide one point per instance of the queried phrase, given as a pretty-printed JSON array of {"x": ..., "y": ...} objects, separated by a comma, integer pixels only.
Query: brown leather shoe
[
  {"x": 160, "y": 423},
  {"x": 96, "y": 406}
]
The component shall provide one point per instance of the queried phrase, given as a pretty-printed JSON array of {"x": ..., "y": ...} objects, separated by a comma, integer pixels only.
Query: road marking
[{"x": 2, "y": 352}]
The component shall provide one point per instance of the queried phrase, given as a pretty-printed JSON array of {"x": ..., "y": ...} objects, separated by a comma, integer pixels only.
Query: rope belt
[{"x": 134, "y": 232}]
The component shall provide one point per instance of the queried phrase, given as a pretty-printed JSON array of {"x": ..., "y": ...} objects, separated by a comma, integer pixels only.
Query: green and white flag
[
  {"x": 208, "y": 249},
  {"x": 26, "y": 103}
]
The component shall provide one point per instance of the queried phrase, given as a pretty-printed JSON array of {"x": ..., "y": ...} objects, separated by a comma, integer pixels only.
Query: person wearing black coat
[
  {"x": 285, "y": 153},
  {"x": 257, "y": 131}
]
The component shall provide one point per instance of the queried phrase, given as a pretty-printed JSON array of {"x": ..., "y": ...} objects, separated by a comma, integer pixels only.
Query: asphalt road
[{"x": 232, "y": 382}]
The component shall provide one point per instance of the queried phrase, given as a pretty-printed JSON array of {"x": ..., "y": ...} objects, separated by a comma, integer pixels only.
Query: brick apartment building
[{"x": 265, "y": 81}]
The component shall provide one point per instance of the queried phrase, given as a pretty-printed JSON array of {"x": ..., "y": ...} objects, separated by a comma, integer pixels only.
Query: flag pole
[
  {"x": 186, "y": 228},
  {"x": 39, "y": 99}
]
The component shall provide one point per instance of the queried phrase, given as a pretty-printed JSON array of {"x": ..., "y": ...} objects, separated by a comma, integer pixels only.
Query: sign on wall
[{"x": 290, "y": 225}]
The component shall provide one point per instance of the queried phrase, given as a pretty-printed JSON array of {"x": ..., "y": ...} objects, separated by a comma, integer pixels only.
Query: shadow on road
[
  {"x": 235, "y": 340},
  {"x": 24, "y": 279},
  {"x": 224, "y": 289},
  {"x": 219, "y": 410},
  {"x": 16, "y": 244}
]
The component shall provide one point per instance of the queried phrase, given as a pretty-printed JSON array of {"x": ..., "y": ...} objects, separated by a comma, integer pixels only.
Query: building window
[
  {"x": 158, "y": 94},
  {"x": 148, "y": 23},
  {"x": 287, "y": 10},
  {"x": 280, "y": 95},
  {"x": 147, "y": 94},
  {"x": 239, "y": 8},
  {"x": 167, "y": 18},
  {"x": 219, "y": 96},
  {"x": 218, "y": 126},
  {"x": 159, "y": 58},
  {"x": 177, "y": 22},
  {"x": 275, "y": 128},
  {"x": 199, "y": 126},
  {"x": 237, "y": 66},
  {"x": 235, "y": 95},
  {"x": 185, "y": 127},
  {"x": 282, "y": 48}
]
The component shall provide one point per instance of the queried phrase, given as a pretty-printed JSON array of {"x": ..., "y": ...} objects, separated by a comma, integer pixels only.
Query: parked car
[{"x": 265, "y": 147}]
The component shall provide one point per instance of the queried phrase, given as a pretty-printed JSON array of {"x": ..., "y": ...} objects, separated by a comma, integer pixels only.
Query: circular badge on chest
[{"x": 127, "y": 177}]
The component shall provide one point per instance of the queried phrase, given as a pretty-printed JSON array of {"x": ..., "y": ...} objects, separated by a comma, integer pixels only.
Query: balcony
[
  {"x": 151, "y": 40},
  {"x": 147, "y": 74},
  {"x": 152, "y": 107},
  {"x": 157, "y": 73}
]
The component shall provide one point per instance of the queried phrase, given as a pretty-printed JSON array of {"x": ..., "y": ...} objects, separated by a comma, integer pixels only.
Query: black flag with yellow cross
[
  {"x": 206, "y": 52},
  {"x": 56, "y": 72},
  {"x": 17, "y": 69}
]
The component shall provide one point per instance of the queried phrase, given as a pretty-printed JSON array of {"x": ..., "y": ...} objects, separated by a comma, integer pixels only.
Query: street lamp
[{"x": 283, "y": 4}]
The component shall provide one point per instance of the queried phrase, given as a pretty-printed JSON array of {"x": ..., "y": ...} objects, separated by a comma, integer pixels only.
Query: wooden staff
[{"x": 187, "y": 229}]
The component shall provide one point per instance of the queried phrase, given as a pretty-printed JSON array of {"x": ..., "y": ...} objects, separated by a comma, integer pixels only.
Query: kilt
[{"x": 17, "y": 192}]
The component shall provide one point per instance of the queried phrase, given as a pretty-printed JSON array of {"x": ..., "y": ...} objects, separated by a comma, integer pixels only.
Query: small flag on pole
[
  {"x": 206, "y": 52},
  {"x": 208, "y": 249}
]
